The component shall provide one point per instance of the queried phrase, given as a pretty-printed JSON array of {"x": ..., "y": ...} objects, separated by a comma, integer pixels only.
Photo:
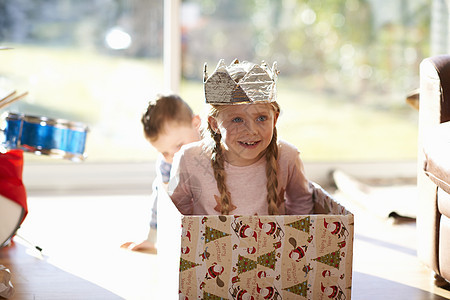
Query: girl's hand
[{"x": 145, "y": 246}]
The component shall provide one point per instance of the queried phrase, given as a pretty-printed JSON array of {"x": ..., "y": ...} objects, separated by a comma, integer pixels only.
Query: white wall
[{"x": 137, "y": 178}]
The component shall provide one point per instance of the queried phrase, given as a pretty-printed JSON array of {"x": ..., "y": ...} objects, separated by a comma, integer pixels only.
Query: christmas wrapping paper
[{"x": 269, "y": 257}]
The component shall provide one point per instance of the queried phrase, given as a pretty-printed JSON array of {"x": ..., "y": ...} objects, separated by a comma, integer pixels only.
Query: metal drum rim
[
  {"x": 57, "y": 153},
  {"x": 57, "y": 122},
  {"x": 60, "y": 123},
  {"x": 13, "y": 116}
]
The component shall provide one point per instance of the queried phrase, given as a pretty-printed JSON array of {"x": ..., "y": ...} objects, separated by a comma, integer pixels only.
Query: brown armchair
[{"x": 433, "y": 176}]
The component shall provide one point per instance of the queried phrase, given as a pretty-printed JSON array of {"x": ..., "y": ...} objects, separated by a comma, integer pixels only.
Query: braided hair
[{"x": 218, "y": 166}]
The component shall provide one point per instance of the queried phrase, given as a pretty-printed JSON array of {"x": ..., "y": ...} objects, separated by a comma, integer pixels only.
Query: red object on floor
[{"x": 11, "y": 185}]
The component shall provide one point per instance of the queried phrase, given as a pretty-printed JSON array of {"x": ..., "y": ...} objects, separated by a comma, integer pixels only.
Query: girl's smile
[{"x": 249, "y": 144}]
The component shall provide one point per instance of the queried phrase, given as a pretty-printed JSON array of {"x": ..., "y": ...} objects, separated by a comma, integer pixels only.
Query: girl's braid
[
  {"x": 272, "y": 168},
  {"x": 217, "y": 162},
  {"x": 271, "y": 172}
]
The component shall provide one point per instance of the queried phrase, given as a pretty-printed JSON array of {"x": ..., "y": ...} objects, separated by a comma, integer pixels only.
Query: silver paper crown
[{"x": 254, "y": 83}]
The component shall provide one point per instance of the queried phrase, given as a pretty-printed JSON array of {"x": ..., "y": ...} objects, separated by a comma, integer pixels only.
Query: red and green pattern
[
  {"x": 212, "y": 234},
  {"x": 245, "y": 264},
  {"x": 302, "y": 224},
  {"x": 185, "y": 264},
  {"x": 332, "y": 259},
  {"x": 268, "y": 260},
  {"x": 299, "y": 289},
  {"x": 209, "y": 296}
]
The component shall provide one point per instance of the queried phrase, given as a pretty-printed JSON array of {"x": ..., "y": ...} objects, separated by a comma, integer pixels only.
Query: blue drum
[{"x": 41, "y": 135}]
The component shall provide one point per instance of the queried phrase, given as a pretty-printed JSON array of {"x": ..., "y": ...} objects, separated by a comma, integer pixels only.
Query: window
[
  {"x": 97, "y": 62},
  {"x": 346, "y": 68}
]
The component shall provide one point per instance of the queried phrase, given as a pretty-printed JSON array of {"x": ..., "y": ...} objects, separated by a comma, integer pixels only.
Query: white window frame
[{"x": 172, "y": 45}]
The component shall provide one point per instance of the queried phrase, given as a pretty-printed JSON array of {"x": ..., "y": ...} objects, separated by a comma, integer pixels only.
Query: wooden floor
[{"x": 81, "y": 259}]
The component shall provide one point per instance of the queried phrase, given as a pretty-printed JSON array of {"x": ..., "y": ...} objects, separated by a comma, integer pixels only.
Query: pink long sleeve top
[{"x": 193, "y": 188}]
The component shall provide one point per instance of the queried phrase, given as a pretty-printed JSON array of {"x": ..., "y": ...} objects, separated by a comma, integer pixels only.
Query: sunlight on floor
[{"x": 82, "y": 235}]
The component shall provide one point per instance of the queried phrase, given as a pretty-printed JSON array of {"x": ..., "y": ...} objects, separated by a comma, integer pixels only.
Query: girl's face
[{"x": 246, "y": 131}]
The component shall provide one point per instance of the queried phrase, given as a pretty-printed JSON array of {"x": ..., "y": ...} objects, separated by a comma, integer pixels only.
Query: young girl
[{"x": 242, "y": 168}]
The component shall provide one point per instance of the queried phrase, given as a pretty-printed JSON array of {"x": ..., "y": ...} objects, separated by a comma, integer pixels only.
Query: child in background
[
  {"x": 243, "y": 169},
  {"x": 169, "y": 123}
]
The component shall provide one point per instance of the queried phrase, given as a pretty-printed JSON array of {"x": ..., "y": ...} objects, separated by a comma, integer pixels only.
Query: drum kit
[
  {"x": 41, "y": 135},
  {"x": 33, "y": 134}
]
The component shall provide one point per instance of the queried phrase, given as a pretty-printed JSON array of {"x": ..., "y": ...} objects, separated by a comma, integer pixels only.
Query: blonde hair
[
  {"x": 217, "y": 163},
  {"x": 163, "y": 109}
]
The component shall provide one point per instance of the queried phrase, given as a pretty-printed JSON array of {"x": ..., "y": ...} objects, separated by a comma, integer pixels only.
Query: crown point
[
  {"x": 275, "y": 70},
  {"x": 235, "y": 62},
  {"x": 205, "y": 72},
  {"x": 221, "y": 64}
]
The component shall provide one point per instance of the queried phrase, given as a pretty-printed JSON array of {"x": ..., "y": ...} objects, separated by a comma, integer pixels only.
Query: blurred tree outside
[
  {"x": 361, "y": 56},
  {"x": 351, "y": 47}
]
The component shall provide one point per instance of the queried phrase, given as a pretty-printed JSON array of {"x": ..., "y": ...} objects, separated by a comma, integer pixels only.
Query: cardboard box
[{"x": 269, "y": 257}]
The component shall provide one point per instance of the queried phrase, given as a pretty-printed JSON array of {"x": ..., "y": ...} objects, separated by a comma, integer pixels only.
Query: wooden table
[{"x": 34, "y": 278}]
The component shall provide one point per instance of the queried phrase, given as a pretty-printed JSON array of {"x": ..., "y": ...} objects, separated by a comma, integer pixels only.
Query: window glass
[
  {"x": 96, "y": 62},
  {"x": 346, "y": 68}
]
